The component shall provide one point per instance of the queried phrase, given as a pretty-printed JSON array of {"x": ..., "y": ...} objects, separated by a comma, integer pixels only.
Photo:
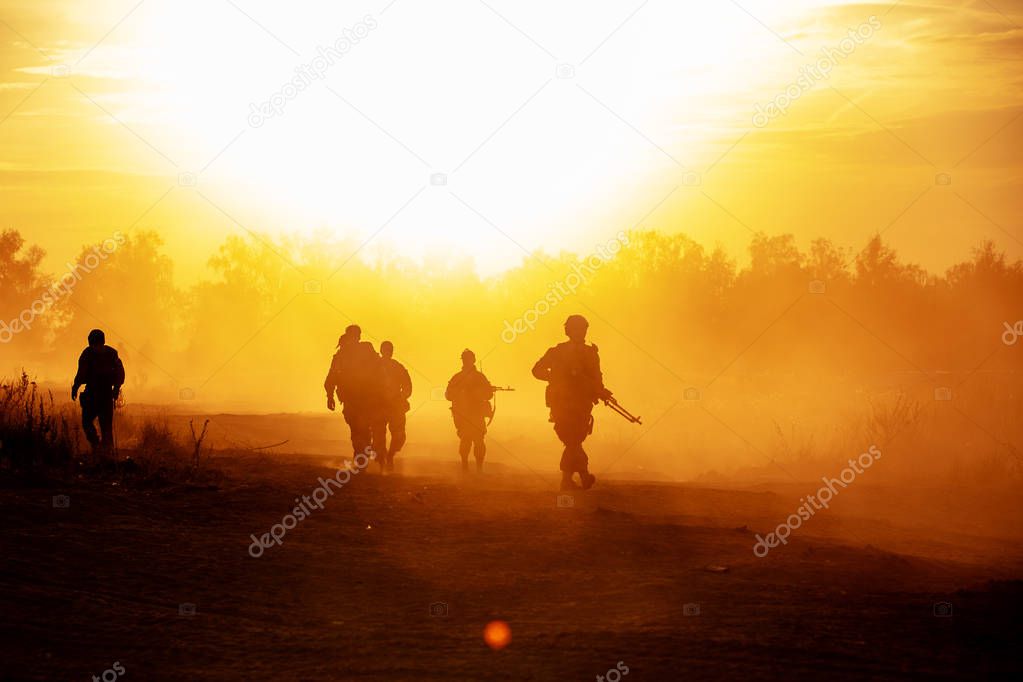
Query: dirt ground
[{"x": 396, "y": 577}]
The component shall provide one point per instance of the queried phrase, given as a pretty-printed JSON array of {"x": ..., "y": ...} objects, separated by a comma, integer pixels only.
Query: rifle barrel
[{"x": 617, "y": 407}]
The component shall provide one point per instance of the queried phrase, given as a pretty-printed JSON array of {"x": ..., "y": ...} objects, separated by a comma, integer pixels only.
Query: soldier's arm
[
  {"x": 449, "y": 392},
  {"x": 118, "y": 371},
  {"x": 598, "y": 377},
  {"x": 486, "y": 389},
  {"x": 542, "y": 368},
  {"x": 330, "y": 383},
  {"x": 80, "y": 377},
  {"x": 118, "y": 375},
  {"x": 406, "y": 383}
]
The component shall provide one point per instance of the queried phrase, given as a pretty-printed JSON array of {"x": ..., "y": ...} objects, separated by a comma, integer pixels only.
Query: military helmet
[{"x": 576, "y": 322}]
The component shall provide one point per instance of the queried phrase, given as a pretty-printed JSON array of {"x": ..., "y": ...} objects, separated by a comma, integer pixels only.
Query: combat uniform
[
  {"x": 575, "y": 384},
  {"x": 396, "y": 388},
  {"x": 354, "y": 378},
  {"x": 470, "y": 392},
  {"x": 101, "y": 371}
]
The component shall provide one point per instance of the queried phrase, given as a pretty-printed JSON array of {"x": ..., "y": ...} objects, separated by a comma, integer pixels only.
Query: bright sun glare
[{"x": 470, "y": 128}]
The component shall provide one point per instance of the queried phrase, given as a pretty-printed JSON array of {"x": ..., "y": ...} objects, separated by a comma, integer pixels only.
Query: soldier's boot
[
  {"x": 390, "y": 461},
  {"x": 582, "y": 465},
  {"x": 566, "y": 481}
]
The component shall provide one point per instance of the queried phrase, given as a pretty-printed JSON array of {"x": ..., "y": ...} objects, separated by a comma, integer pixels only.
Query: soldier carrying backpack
[{"x": 101, "y": 372}]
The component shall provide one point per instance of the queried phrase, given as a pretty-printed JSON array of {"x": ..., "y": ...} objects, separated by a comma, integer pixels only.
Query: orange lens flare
[{"x": 497, "y": 634}]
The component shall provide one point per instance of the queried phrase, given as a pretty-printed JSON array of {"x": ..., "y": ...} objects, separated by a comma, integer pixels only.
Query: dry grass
[
  {"x": 34, "y": 431},
  {"x": 153, "y": 453},
  {"x": 41, "y": 439}
]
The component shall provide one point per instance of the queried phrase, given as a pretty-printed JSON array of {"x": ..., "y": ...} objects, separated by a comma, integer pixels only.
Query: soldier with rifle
[
  {"x": 470, "y": 392},
  {"x": 574, "y": 385}
]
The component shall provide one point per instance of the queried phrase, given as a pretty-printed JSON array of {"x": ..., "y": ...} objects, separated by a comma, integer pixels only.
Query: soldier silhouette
[
  {"x": 470, "y": 393},
  {"x": 395, "y": 390},
  {"x": 101, "y": 372},
  {"x": 574, "y": 385},
  {"x": 354, "y": 378}
]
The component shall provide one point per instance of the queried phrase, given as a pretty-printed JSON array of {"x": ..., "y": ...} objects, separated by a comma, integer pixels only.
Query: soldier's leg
[
  {"x": 397, "y": 431},
  {"x": 567, "y": 429},
  {"x": 585, "y": 426},
  {"x": 346, "y": 412},
  {"x": 478, "y": 442},
  {"x": 359, "y": 425},
  {"x": 573, "y": 427},
  {"x": 352, "y": 428},
  {"x": 364, "y": 440},
  {"x": 585, "y": 476},
  {"x": 105, "y": 412},
  {"x": 396, "y": 423},
  {"x": 562, "y": 429},
  {"x": 378, "y": 436},
  {"x": 464, "y": 440},
  {"x": 88, "y": 419},
  {"x": 380, "y": 444},
  {"x": 480, "y": 450}
]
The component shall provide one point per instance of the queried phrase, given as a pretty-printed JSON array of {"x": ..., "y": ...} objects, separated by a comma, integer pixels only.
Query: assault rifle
[
  {"x": 493, "y": 407},
  {"x": 617, "y": 407}
]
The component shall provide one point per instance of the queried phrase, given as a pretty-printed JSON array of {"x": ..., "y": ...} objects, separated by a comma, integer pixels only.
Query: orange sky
[{"x": 553, "y": 127}]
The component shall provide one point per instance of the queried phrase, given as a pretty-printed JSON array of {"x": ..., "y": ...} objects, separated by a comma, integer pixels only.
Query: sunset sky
[{"x": 489, "y": 128}]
